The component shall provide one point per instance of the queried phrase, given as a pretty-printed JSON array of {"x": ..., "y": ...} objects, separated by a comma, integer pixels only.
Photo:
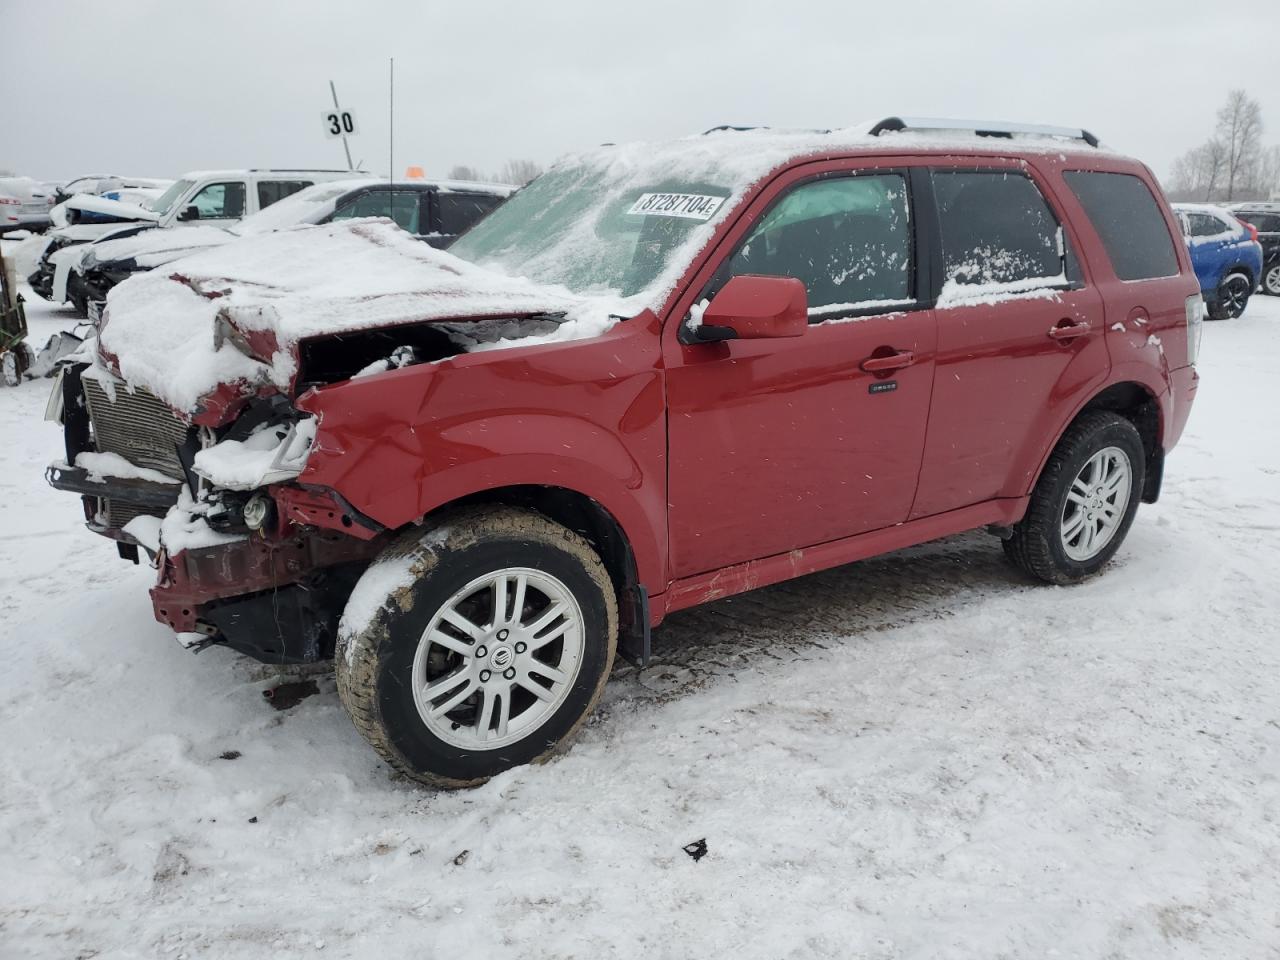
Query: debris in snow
[
  {"x": 697, "y": 850},
  {"x": 253, "y": 819},
  {"x": 461, "y": 858},
  {"x": 288, "y": 695},
  {"x": 270, "y": 454},
  {"x": 229, "y": 755}
]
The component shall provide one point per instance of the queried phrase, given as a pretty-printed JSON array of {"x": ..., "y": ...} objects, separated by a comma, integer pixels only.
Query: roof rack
[
  {"x": 745, "y": 129},
  {"x": 303, "y": 170},
  {"x": 982, "y": 128}
]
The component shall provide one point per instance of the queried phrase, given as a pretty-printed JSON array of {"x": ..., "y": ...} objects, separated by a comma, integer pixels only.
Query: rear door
[
  {"x": 1020, "y": 334},
  {"x": 786, "y": 443}
]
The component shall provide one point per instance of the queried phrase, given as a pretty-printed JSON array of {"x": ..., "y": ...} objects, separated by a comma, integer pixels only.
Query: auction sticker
[{"x": 690, "y": 206}]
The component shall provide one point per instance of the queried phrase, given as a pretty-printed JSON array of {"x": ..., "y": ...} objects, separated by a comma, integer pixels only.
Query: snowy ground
[{"x": 917, "y": 756}]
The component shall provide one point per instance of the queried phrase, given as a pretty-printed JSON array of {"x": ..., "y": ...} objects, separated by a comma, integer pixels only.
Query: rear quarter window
[{"x": 1128, "y": 220}]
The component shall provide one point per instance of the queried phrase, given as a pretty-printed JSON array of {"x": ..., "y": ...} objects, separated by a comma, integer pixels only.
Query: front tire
[
  {"x": 1084, "y": 502},
  {"x": 482, "y": 644}
]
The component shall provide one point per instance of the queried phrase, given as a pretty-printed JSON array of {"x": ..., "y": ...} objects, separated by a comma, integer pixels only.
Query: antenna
[
  {"x": 338, "y": 110},
  {"x": 391, "y": 147}
]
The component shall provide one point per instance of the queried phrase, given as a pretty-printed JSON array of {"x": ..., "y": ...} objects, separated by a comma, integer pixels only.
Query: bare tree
[
  {"x": 1240, "y": 132},
  {"x": 463, "y": 172},
  {"x": 1198, "y": 173},
  {"x": 519, "y": 172},
  {"x": 1266, "y": 181}
]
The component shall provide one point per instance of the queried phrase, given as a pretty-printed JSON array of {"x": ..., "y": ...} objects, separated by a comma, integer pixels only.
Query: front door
[{"x": 785, "y": 443}]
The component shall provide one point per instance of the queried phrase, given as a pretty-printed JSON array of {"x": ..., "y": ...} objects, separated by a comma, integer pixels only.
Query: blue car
[{"x": 1226, "y": 255}]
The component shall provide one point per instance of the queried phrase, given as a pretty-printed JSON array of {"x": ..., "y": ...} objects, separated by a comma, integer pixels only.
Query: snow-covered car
[
  {"x": 658, "y": 375},
  {"x": 24, "y": 204},
  {"x": 1226, "y": 254},
  {"x": 208, "y": 197},
  {"x": 436, "y": 212}
]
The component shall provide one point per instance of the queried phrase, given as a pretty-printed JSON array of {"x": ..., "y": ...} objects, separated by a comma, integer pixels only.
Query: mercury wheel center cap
[{"x": 502, "y": 657}]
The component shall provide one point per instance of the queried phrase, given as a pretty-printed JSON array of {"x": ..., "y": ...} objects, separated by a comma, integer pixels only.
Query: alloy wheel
[
  {"x": 498, "y": 659},
  {"x": 1271, "y": 280},
  {"x": 1096, "y": 504},
  {"x": 1234, "y": 295}
]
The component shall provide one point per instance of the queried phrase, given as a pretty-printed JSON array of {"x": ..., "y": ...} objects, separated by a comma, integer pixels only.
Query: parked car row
[
  {"x": 83, "y": 261},
  {"x": 1226, "y": 254},
  {"x": 658, "y": 375},
  {"x": 24, "y": 204}
]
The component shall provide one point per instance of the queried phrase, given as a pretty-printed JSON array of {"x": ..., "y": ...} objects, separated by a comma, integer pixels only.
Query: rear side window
[
  {"x": 1129, "y": 221},
  {"x": 269, "y": 191},
  {"x": 996, "y": 228},
  {"x": 1264, "y": 222},
  {"x": 400, "y": 205},
  {"x": 460, "y": 211},
  {"x": 1204, "y": 225}
]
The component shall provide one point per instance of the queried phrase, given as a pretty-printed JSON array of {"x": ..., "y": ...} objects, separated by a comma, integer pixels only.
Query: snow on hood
[
  {"x": 304, "y": 282},
  {"x": 114, "y": 208},
  {"x": 154, "y": 247}
]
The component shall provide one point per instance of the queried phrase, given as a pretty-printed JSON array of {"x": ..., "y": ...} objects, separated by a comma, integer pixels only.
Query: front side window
[
  {"x": 459, "y": 211},
  {"x": 848, "y": 238},
  {"x": 220, "y": 201},
  {"x": 272, "y": 191},
  {"x": 1128, "y": 221},
  {"x": 399, "y": 205},
  {"x": 996, "y": 229}
]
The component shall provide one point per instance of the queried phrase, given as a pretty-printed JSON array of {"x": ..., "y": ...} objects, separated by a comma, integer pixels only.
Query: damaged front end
[{"x": 244, "y": 555}]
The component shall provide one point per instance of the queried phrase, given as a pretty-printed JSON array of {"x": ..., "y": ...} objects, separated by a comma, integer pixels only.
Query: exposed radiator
[{"x": 137, "y": 426}]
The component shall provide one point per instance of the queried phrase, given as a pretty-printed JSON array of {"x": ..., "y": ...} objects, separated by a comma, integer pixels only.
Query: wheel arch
[{"x": 1138, "y": 403}]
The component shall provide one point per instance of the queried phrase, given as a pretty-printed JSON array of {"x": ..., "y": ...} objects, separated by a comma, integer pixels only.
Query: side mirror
[
  {"x": 191, "y": 213},
  {"x": 753, "y": 308}
]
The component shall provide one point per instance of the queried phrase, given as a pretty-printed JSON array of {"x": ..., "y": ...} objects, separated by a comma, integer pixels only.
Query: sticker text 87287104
[{"x": 690, "y": 206}]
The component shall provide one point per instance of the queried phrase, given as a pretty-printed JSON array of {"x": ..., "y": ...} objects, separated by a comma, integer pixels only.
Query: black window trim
[
  {"x": 1069, "y": 246},
  {"x": 917, "y": 270}
]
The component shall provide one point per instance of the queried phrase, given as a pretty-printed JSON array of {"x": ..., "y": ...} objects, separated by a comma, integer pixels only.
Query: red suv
[{"x": 659, "y": 375}]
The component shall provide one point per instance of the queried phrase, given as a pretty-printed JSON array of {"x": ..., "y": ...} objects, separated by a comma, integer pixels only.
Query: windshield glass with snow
[
  {"x": 167, "y": 199},
  {"x": 598, "y": 230}
]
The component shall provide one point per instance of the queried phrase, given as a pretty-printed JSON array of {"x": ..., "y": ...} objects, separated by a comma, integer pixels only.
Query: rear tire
[
  {"x": 1233, "y": 297},
  {"x": 1271, "y": 279},
  {"x": 1084, "y": 502},
  {"x": 443, "y": 659}
]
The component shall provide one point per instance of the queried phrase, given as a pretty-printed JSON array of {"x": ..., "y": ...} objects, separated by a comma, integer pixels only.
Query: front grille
[{"x": 137, "y": 426}]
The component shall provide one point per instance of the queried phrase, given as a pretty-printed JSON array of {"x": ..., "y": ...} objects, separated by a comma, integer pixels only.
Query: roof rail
[
  {"x": 982, "y": 128},
  {"x": 730, "y": 126},
  {"x": 303, "y": 170}
]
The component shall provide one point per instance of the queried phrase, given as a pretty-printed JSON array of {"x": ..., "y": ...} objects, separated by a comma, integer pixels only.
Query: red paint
[{"x": 733, "y": 464}]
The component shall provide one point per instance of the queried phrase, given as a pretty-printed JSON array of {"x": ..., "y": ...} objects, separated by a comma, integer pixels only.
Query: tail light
[
  {"x": 10, "y": 200},
  {"x": 1195, "y": 326},
  {"x": 1253, "y": 231}
]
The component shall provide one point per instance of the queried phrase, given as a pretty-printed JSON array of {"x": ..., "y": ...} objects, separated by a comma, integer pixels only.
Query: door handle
[
  {"x": 1068, "y": 329},
  {"x": 895, "y": 361}
]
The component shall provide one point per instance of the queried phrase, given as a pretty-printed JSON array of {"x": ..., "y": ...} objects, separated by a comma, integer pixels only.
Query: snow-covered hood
[
  {"x": 167, "y": 330},
  {"x": 154, "y": 247},
  {"x": 111, "y": 208}
]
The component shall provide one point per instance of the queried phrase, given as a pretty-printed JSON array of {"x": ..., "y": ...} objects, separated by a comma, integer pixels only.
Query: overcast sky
[{"x": 157, "y": 87}]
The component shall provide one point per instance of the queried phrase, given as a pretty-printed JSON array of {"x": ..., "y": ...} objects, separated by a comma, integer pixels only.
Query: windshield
[
  {"x": 600, "y": 227},
  {"x": 167, "y": 199}
]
